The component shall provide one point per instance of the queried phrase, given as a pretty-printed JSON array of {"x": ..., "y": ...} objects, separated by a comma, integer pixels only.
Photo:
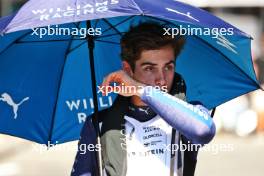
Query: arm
[{"x": 193, "y": 121}]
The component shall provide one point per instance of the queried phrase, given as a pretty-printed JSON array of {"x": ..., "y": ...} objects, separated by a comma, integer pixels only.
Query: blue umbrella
[{"x": 48, "y": 82}]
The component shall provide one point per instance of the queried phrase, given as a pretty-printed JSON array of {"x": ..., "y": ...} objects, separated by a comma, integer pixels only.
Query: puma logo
[
  {"x": 144, "y": 110},
  {"x": 5, "y": 97}
]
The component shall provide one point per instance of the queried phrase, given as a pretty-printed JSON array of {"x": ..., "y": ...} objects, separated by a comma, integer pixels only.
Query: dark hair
[{"x": 147, "y": 36}]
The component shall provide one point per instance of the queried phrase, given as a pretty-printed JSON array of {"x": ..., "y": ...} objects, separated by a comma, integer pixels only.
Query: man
[{"x": 142, "y": 132}]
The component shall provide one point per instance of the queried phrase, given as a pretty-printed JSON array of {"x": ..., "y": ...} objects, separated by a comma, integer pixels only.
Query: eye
[
  {"x": 169, "y": 67},
  {"x": 148, "y": 69}
]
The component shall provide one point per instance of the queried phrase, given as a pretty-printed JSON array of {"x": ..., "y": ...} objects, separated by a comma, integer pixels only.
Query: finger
[
  {"x": 106, "y": 84},
  {"x": 114, "y": 77},
  {"x": 106, "y": 80},
  {"x": 119, "y": 77}
]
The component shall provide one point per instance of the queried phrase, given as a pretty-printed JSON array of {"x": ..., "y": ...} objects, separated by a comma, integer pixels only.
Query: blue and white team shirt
[{"x": 148, "y": 146}]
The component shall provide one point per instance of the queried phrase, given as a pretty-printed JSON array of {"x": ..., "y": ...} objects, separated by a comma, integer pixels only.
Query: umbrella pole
[
  {"x": 213, "y": 112},
  {"x": 95, "y": 120}
]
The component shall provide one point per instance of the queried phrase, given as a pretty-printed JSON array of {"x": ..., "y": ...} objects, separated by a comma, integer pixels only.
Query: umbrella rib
[
  {"x": 61, "y": 75},
  {"x": 108, "y": 42},
  {"x": 57, "y": 96},
  {"x": 96, "y": 22},
  {"x": 98, "y": 40},
  {"x": 166, "y": 22},
  {"x": 70, "y": 50},
  {"x": 62, "y": 40},
  {"x": 111, "y": 26},
  {"x": 15, "y": 41},
  {"x": 130, "y": 17},
  {"x": 104, "y": 36},
  {"x": 76, "y": 24}
]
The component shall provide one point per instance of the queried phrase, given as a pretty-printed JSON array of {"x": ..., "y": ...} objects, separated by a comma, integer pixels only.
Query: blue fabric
[{"x": 54, "y": 71}]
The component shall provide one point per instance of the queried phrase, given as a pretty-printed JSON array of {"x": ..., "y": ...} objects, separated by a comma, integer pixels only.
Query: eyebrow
[
  {"x": 153, "y": 64},
  {"x": 171, "y": 62}
]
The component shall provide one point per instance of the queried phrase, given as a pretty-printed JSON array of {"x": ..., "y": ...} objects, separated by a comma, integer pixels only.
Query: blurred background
[{"x": 237, "y": 149}]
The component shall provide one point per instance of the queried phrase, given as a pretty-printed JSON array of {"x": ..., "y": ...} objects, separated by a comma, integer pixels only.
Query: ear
[{"x": 127, "y": 68}]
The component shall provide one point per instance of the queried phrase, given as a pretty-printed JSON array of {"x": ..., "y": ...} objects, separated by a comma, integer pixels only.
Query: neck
[{"x": 135, "y": 100}]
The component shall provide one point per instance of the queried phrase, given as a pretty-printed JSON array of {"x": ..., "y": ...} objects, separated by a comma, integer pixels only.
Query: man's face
[{"x": 156, "y": 67}]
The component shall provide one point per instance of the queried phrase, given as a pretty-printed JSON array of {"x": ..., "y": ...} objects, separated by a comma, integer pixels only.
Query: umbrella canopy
[{"x": 45, "y": 77}]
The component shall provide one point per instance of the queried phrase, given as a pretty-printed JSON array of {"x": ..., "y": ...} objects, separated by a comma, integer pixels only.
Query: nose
[{"x": 160, "y": 79}]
